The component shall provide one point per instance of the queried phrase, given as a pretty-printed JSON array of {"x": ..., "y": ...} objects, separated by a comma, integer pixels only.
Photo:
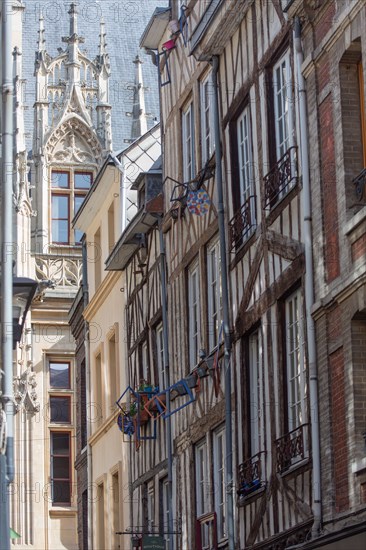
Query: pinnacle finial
[
  {"x": 41, "y": 37},
  {"x": 139, "y": 123},
  {"x": 73, "y": 19},
  {"x": 102, "y": 38}
]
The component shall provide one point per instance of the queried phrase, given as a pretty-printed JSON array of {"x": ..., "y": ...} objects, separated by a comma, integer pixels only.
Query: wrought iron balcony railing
[
  {"x": 243, "y": 223},
  {"x": 62, "y": 270},
  {"x": 292, "y": 448},
  {"x": 250, "y": 475},
  {"x": 360, "y": 185},
  {"x": 281, "y": 178}
]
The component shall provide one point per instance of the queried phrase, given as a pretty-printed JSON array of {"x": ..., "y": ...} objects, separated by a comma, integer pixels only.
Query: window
[
  {"x": 188, "y": 143},
  {"x": 244, "y": 220},
  {"x": 164, "y": 514},
  {"x": 68, "y": 190},
  {"x": 207, "y": 141},
  {"x": 151, "y": 508},
  {"x": 210, "y": 484},
  {"x": 219, "y": 454},
  {"x": 160, "y": 355},
  {"x": 283, "y": 117},
  {"x": 100, "y": 517},
  {"x": 214, "y": 294},
  {"x": 60, "y": 375},
  {"x": 113, "y": 371},
  {"x": 61, "y": 468},
  {"x": 116, "y": 508},
  {"x": 202, "y": 472},
  {"x": 245, "y": 157},
  {"x": 353, "y": 126},
  {"x": 194, "y": 314},
  {"x": 98, "y": 390},
  {"x": 256, "y": 427},
  {"x": 97, "y": 259},
  {"x": 295, "y": 363},
  {"x": 145, "y": 371},
  {"x": 60, "y": 409}
]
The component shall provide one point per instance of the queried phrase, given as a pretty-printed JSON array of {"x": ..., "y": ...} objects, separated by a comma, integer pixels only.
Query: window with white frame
[
  {"x": 194, "y": 313},
  {"x": 207, "y": 137},
  {"x": 295, "y": 362},
  {"x": 188, "y": 143},
  {"x": 245, "y": 158},
  {"x": 160, "y": 355},
  {"x": 202, "y": 479},
  {"x": 164, "y": 515},
  {"x": 283, "y": 101},
  {"x": 150, "y": 507},
  {"x": 214, "y": 294},
  {"x": 219, "y": 492},
  {"x": 256, "y": 394}
]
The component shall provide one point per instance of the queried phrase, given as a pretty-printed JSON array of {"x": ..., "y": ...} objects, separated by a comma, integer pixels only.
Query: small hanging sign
[{"x": 198, "y": 202}]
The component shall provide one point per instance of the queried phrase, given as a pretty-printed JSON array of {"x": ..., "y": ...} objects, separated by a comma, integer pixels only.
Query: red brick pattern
[
  {"x": 339, "y": 430},
  {"x": 325, "y": 22},
  {"x": 329, "y": 189},
  {"x": 358, "y": 248}
]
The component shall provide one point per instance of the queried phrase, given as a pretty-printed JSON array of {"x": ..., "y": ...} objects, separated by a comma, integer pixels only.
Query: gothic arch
[{"x": 73, "y": 142}]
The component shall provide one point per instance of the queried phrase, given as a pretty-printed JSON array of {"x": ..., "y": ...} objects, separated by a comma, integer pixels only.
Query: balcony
[
  {"x": 250, "y": 475},
  {"x": 281, "y": 178},
  {"x": 292, "y": 448},
  {"x": 360, "y": 183},
  {"x": 242, "y": 225},
  {"x": 62, "y": 270}
]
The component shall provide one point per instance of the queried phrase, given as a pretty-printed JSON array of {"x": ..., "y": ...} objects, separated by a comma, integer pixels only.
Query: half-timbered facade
[{"x": 274, "y": 420}]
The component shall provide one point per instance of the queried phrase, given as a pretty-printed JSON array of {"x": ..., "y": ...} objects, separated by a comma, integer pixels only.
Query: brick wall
[
  {"x": 325, "y": 21},
  {"x": 329, "y": 189},
  {"x": 339, "y": 430}
]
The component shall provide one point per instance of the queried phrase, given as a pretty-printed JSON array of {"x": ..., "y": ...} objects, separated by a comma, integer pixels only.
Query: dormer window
[{"x": 68, "y": 191}]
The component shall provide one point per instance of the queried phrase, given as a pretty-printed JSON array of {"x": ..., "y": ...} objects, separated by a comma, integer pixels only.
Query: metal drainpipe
[
  {"x": 309, "y": 284},
  {"x": 225, "y": 303},
  {"x": 89, "y": 456},
  {"x": 7, "y": 461}
]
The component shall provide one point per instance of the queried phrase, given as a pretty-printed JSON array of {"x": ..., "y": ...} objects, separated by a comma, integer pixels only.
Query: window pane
[
  {"x": 60, "y": 375},
  {"x": 78, "y": 201},
  {"x": 61, "y": 491},
  {"x": 60, "y": 231},
  {"x": 61, "y": 467},
  {"x": 83, "y": 180},
  {"x": 60, "y": 180},
  {"x": 60, "y": 207},
  {"x": 60, "y": 444},
  {"x": 60, "y": 409}
]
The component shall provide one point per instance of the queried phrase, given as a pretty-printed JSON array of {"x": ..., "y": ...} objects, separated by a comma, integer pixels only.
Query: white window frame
[
  {"x": 194, "y": 320},
  {"x": 160, "y": 355},
  {"x": 207, "y": 136},
  {"x": 245, "y": 155},
  {"x": 165, "y": 514},
  {"x": 202, "y": 479},
  {"x": 219, "y": 456},
  {"x": 150, "y": 507},
  {"x": 295, "y": 362},
  {"x": 283, "y": 113},
  {"x": 256, "y": 393},
  {"x": 145, "y": 363},
  {"x": 214, "y": 294},
  {"x": 188, "y": 143}
]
